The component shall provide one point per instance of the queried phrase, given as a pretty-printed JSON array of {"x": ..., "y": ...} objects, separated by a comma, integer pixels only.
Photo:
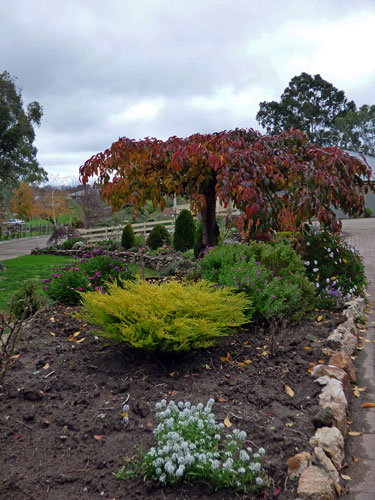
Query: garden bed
[{"x": 63, "y": 435}]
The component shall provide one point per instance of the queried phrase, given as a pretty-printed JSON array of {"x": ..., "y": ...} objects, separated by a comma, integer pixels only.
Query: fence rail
[{"x": 142, "y": 228}]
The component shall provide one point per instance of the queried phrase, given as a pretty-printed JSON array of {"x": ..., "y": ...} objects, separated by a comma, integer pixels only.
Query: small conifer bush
[
  {"x": 128, "y": 237},
  {"x": 170, "y": 317},
  {"x": 158, "y": 237},
  {"x": 27, "y": 300},
  {"x": 184, "y": 231}
]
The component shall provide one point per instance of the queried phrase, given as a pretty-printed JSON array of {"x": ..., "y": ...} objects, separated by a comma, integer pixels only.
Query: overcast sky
[{"x": 103, "y": 69}]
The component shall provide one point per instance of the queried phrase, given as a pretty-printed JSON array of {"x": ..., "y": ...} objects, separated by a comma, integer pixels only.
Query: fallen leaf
[
  {"x": 319, "y": 318},
  {"x": 265, "y": 353},
  {"x": 16, "y": 436},
  {"x": 173, "y": 393},
  {"x": 337, "y": 488},
  {"x": 52, "y": 319},
  {"x": 310, "y": 370},
  {"x": 347, "y": 478},
  {"x": 355, "y": 459},
  {"x": 81, "y": 340},
  {"x": 356, "y": 391},
  {"x": 125, "y": 414},
  {"x": 172, "y": 374},
  {"x": 46, "y": 366},
  {"x": 226, "y": 358},
  {"x": 367, "y": 340},
  {"x": 241, "y": 365},
  {"x": 289, "y": 391},
  {"x": 186, "y": 376},
  {"x": 72, "y": 339},
  {"x": 208, "y": 367},
  {"x": 16, "y": 356},
  {"x": 247, "y": 361},
  {"x": 289, "y": 424},
  {"x": 355, "y": 433},
  {"x": 76, "y": 334},
  {"x": 307, "y": 348},
  {"x": 222, "y": 400},
  {"x": 149, "y": 424},
  {"x": 53, "y": 334},
  {"x": 368, "y": 405},
  {"x": 227, "y": 422}
]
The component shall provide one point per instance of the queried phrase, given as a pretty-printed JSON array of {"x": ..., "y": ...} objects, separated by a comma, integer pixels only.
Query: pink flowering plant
[{"x": 87, "y": 273}]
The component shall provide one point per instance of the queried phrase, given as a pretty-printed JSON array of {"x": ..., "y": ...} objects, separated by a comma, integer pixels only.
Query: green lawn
[
  {"x": 22, "y": 268},
  {"x": 39, "y": 267}
]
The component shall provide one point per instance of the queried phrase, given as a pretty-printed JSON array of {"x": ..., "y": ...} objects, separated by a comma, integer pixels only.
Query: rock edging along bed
[{"x": 318, "y": 470}]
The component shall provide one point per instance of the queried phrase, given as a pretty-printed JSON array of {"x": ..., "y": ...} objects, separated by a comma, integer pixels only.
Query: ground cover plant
[
  {"x": 191, "y": 446},
  {"x": 20, "y": 269}
]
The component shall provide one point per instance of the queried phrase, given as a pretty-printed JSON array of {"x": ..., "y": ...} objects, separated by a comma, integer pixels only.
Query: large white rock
[
  {"x": 321, "y": 459},
  {"x": 333, "y": 392},
  {"x": 331, "y": 441}
]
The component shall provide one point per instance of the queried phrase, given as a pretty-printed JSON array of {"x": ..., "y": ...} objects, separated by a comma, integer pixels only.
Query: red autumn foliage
[{"x": 277, "y": 182}]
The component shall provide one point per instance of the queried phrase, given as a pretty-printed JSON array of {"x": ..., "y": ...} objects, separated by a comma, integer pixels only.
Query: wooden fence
[{"x": 141, "y": 228}]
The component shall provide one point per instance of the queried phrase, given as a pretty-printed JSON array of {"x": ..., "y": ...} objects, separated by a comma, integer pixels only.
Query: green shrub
[
  {"x": 27, "y": 300},
  {"x": 198, "y": 245},
  {"x": 368, "y": 212},
  {"x": 69, "y": 244},
  {"x": 92, "y": 272},
  {"x": 331, "y": 262},
  {"x": 273, "y": 276},
  {"x": 168, "y": 317},
  {"x": 184, "y": 231},
  {"x": 158, "y": 237},
  {"x": 77, "y": 223},
  {"x": 128, "y": 237}
]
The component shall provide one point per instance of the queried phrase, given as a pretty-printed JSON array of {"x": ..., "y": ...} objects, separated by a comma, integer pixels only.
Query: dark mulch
[{"x": 62, "y": 433}]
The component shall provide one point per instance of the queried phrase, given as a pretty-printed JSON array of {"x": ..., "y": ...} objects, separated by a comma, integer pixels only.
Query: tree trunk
[{"x": 210, "y": 229}]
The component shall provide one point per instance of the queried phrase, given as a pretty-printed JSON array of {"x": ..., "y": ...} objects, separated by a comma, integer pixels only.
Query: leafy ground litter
[{"x": 63, "y": 435}]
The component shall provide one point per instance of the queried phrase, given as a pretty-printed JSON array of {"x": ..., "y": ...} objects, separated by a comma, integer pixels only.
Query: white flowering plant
[
  {"x": 333, "y": 266},
  {"x": 191, "y": 445}
]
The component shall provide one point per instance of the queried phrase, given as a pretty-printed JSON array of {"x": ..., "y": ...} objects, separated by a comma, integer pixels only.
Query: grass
[
  {"x": 39, "y": 267},
  {"x": 22, "y": 268}
]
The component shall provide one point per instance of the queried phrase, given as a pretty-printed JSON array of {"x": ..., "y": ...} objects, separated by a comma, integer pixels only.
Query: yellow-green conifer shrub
[{"x": 170, "y": 317}]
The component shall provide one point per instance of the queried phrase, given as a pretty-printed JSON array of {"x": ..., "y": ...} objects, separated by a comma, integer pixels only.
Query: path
[
  {"x": 16, "y": 248},
  {"x": 361, "y": 234}
]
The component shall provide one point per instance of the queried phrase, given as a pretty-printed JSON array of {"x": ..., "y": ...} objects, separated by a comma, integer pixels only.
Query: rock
[
  {"x": 331, "y": 441},
  {"x": 327, "y": 351},
  {"x": 298, "y": 463},
  {"x": 350, "y": 326},
  {"x": 321, "y": 459},
  {"x": 349, "y": 342},
  {"x": 323, "y": 380},
  {"x": 315, "y": 484},
  {"x": 339, "y": 416},
  {"x": 333, "y": 392},
  {"x": 323, "y": 418},
  {"x": 342, "y": 360},
  {"x": 333, "y": 372}
]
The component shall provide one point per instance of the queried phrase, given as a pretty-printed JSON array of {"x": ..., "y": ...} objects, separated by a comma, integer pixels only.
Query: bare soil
[{"x": 62, "y": 433}]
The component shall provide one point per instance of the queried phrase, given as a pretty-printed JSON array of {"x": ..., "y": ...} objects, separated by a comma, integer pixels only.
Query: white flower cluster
[{"x": 189, "y": 440}]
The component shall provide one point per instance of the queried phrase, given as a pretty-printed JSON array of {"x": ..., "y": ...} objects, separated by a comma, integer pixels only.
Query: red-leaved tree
[{"x": 277, "y": 182}]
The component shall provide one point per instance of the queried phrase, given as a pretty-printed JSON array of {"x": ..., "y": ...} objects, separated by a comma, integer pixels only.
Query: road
[{"x": 23, "y": 246}]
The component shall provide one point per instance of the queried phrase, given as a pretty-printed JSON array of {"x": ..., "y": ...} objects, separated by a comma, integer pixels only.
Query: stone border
[{"x": 318, "y": 471}]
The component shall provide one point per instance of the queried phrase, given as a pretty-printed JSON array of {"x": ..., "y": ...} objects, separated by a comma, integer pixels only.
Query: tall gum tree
[{"x": 277, "y": 182}]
